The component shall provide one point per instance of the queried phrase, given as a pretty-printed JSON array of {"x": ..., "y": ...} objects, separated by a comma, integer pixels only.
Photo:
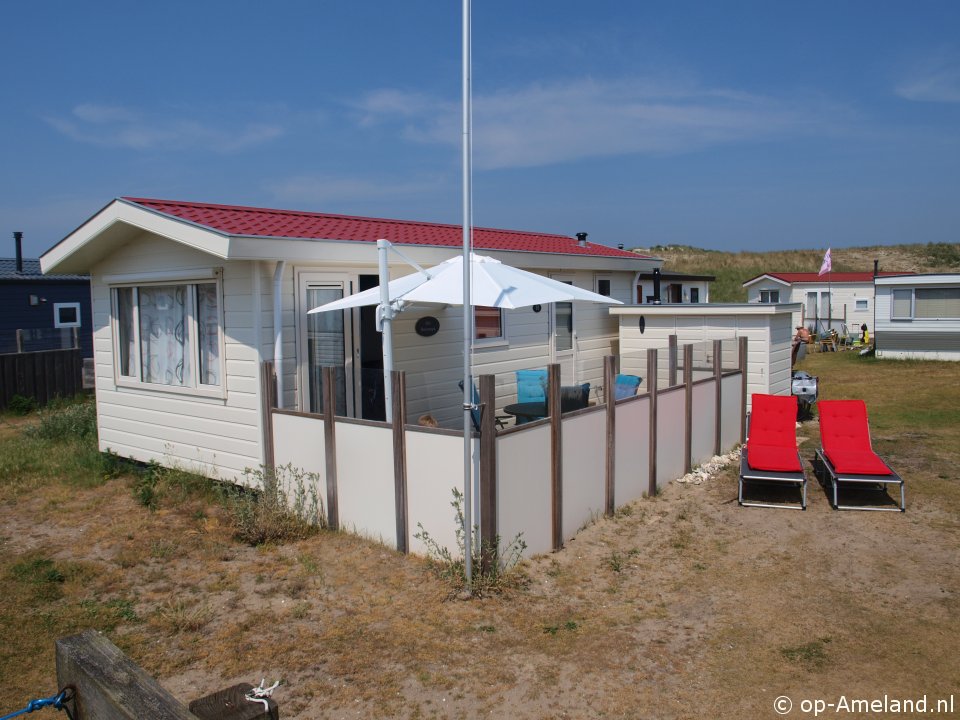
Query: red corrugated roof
[
  {"x": 812, "y": 277},
  {"x": 264, "y": 222}
]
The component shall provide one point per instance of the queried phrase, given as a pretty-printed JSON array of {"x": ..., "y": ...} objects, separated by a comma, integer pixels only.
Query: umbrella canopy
[{"x": 494, "y": 284}]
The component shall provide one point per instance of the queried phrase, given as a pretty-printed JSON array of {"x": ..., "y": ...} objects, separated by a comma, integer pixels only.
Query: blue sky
[{"x": 734, "y": 125}]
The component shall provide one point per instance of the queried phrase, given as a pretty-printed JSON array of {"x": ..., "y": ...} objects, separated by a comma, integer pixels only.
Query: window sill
[
  {"x": 213, "y": 392},
  {"x": 490, "y": 343}
]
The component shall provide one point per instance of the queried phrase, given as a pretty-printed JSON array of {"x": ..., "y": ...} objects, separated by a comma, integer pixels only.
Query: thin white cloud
[
  {"x": 548, "y": 124},
  {"x": 124, "y": 127},
  {"x": 935, "y": 78},
  {"x": 319, "y": 190}
]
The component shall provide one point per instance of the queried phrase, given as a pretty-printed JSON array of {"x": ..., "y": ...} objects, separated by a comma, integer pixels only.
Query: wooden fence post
[
  {"x": 717, "y": 379},
  {"x": 556, "y": 454},
  {"x": 19, "y": 340},
  {"x": 110, "y": 685},
  {"x": 488, "y": 473},
  {"x": 329, "y": 379},
  {"x": 688, "y": 408},
  {"x": 652, "y": 389},
  {"x": 672, "y": 361},
  {"x": 610, "y": 400},
  {"x": 398, "y": 382},
  {"x": 743, "y": 390},
  {"x": 268, "y": 394}
]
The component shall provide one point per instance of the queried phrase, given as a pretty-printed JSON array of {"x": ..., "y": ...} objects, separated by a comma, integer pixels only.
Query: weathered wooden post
[{"x": 688, "y": 408}]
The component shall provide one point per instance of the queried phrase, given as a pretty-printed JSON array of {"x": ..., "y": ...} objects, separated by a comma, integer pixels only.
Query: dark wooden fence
[{"x": 41, "y": 376}]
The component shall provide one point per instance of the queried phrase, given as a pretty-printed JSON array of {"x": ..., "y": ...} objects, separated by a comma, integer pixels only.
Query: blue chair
[
  {"x": 626, "y": 386},
  {"x": 475, "y": 413},
  {"x": 531, "y": 386}
]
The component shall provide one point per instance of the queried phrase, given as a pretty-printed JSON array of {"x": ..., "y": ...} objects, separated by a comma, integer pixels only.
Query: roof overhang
[
  {"x": 915, "y": 279},
  {"x": 121, "y": 221},
  {"x": 115, "y": 225}
]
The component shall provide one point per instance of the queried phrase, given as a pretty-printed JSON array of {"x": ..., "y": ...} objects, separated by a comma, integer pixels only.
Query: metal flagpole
[{"x": 467, "y": 308}]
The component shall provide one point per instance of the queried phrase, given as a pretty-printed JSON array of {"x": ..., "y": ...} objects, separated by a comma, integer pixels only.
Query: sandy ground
[{"x": 682, "y": 606}]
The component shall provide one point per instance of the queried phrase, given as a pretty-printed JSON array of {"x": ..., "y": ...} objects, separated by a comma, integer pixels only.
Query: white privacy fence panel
[
  {"x": 703, "y": 426},
  {"x": 298, "y": 442},
  {"x": 632, "y": 450},
  {"x": 731, "y": 399},
  {"x": 434, "y": 470},
  {"x": 671, "y": 410},
  {"x": 365, "y": 482},
  {"x": 584, "y": 464},
  {"x": 523, "y": 488}
]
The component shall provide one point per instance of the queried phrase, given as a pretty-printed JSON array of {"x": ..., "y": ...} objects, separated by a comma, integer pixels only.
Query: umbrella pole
[
  {"x": 467, "y": 309},
  {"x": 385, "y": 317}
]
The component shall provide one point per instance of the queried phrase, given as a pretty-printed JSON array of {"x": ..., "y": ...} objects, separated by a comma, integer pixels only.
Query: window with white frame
[
  {"x": 934, "y": 303},
  {"x": 168, "y": 334},
  {"x": 694, "y": 295},
  {"x": 863, "y": 304},
  {"x": 603, "y": 286},
  {"x": 66, "y": 315},
  {"x": 769, "y": 296}
]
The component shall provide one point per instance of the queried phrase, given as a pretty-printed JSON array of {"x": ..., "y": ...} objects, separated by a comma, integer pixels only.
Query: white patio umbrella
[{"x": 493, "y": 284}]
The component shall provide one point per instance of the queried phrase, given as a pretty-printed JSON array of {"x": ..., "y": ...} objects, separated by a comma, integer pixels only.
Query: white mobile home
[
  {"x": 190, "y": 298},
  {"x": 851, "y": 301},
  {"x": 918, "y": 316}
]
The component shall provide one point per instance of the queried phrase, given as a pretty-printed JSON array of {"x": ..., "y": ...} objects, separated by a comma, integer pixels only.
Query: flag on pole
[{"x": 827, "y": 265}]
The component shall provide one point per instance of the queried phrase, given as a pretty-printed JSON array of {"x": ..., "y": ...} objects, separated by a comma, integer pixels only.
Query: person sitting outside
[
  {"x": 864, "y": 335},
  {"x": 799, "y": 340}
]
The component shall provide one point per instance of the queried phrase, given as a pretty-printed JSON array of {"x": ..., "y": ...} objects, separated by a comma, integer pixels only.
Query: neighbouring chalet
[
  {"x": 189, "y": 298},
  {"x": 852, "y": 301},
  {"x": 42, "y": 312},
  {"x": 918, "y": 316}
]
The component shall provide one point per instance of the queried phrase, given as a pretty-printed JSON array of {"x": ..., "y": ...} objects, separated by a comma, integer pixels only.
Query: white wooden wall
[{"x": 217, "y": 437}]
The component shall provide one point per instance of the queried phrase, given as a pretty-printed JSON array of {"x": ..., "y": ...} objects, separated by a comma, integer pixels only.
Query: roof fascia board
[
  {"x": 936, "y": 279},
  {"x": 121, "y": 211},
  {"x": 707, "y": 309},
  {"x": 765, "y": 277},
  {"x": 354, "y": 251}
]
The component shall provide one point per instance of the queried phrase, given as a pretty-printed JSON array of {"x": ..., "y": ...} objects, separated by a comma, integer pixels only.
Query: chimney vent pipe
[
  {"x": 876, "y": 268},
  {"x": 18, "y": 241},
  {"x": 582, "y": 239}
]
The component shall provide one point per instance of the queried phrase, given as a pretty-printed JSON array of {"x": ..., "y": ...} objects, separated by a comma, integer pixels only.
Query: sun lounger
[
  {"x": 846, "y": 454},
  {"x": 770, "y": 454}
]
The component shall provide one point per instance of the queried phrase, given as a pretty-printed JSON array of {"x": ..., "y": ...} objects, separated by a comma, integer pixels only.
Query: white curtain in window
[
  {"x": 164, "y": 353},
  {"x": 208, "y": 332}
]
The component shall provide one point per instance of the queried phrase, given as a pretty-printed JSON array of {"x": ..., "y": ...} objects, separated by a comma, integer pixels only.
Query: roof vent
[
  {"x": 619, "y": 246},
  {"x": 582, "y": 239}
]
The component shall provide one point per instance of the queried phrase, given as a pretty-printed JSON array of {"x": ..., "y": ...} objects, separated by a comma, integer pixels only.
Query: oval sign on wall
[
  {"x": 427, "y": 326},
  {"x": 642, "y": 323}
]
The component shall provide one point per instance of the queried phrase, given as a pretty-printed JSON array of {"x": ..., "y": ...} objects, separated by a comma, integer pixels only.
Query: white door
[
  {"x": 326, "y": 339},
  {"x": 565, "y": 337}
]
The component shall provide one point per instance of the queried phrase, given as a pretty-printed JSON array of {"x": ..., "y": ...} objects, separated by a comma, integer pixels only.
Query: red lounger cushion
[
  {"x": 773, "y": 421},
  {"x": 844, "y": 425},
  {"x": 772, "y": 458},
  {"x": 857, "y": 462}
]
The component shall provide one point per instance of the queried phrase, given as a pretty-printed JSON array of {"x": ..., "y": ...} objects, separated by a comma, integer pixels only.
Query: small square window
[
  {"x": 770, "y": 296},
  {"x": 66, "y": 315},
  {"x": 863, "y": 304},
  {"x": 603, "y": 287},
  {"x": 488, "y": 322}
]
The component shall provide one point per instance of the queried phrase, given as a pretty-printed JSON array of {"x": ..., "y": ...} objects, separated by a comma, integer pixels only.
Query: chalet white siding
[
  {"x": 217, "y": 436},
  {"x": 851, "y": 302}
]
